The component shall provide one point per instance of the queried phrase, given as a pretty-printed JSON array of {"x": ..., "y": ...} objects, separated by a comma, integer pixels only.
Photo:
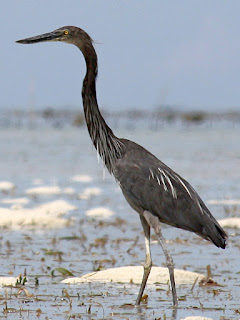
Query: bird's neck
[{"x": 108, "y": 146}]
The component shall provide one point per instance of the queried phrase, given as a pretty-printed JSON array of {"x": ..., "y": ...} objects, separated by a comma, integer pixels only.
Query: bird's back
[{"x": 149, "y": 185}]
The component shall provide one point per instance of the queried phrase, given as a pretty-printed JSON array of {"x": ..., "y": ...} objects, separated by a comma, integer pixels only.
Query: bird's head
[{"x": 68, "y": 34}]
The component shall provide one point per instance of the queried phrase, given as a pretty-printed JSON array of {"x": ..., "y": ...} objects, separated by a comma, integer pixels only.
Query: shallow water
[{"x": 208, "y": 158}]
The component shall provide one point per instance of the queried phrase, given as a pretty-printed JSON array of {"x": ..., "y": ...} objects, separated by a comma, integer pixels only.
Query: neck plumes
[{"x": 108, "y": 146}]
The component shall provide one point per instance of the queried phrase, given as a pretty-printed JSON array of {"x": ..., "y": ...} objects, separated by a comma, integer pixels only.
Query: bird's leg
[
  {"x": 170, "y": 264},
  {"x": 155, "y": 224},
  {"x": 148, "y": 262}
]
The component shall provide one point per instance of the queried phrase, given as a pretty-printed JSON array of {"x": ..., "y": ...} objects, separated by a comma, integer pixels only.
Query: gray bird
[{"x": 151, "y": 188}]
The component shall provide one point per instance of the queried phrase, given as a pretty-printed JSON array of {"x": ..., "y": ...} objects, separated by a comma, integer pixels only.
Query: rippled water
[{"x": 208, "y": 158}]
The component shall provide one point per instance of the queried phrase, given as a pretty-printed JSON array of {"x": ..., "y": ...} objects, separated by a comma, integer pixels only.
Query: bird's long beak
[{"x": 50, "y": 36}]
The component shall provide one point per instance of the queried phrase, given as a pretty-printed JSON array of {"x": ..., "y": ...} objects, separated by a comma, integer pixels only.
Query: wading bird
[{"x": 151, "y": 188}]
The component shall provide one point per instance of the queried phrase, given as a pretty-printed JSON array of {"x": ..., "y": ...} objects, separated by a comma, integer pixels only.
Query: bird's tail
[{"x": 215, "y": 233}]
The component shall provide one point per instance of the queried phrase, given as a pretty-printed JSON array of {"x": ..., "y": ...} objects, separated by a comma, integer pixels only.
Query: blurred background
[{"x": 180, "y": 54}]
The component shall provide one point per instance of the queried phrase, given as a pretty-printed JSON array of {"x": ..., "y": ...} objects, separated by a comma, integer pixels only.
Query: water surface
[{"x": 209, "y": 158}]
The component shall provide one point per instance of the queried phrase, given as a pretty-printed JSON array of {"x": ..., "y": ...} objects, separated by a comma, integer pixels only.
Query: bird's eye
[{"x": 66, "y": 32}]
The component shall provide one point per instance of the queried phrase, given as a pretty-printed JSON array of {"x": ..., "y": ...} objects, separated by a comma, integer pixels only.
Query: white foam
[
  {"x": 48, "y": 215},
  {"x": 44, "y": 190},
  {"x": 230, "y": 223},
  {"x": 82, "y": 178},
  {"x": 15, "y": 201},
  {"x": 8, "y": 281},
  {"x": 134, "y": 275},
  {"x": 90, "y": 192},
  {"x": 196, "y": 318},
  {"x": 99, "y": 212},
  {"x": 230, "y": 202},
  {"x": 7, "y": 186}
]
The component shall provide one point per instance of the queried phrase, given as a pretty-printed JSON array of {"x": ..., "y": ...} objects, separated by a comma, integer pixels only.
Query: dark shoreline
[{"x": 153, "y": 119}]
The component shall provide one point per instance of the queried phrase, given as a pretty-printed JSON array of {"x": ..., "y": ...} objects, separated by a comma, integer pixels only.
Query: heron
[{"x": 156, "y": 192}]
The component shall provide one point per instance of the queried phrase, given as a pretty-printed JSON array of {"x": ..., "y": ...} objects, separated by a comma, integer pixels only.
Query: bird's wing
[{"x": 148, "y": 184}]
